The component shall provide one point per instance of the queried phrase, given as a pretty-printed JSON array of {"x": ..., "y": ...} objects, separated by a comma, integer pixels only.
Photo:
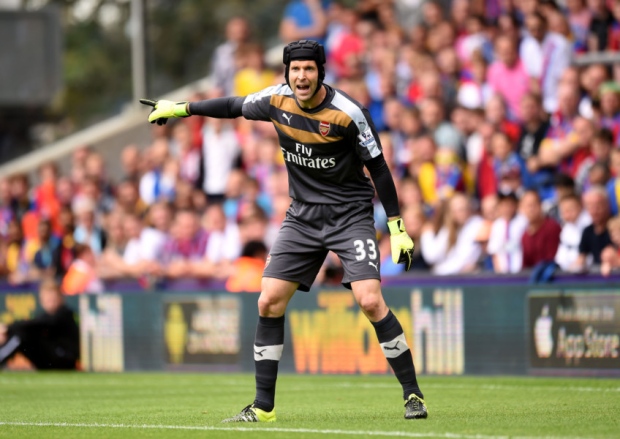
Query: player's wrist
[
  {"x": 181, "y": 109},
  {"x": 396, "y": 226}
]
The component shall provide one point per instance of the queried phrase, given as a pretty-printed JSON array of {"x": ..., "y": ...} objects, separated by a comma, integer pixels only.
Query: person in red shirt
[{"x": 542, "y": 236}]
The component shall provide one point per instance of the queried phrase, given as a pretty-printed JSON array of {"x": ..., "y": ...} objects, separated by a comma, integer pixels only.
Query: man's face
[
  {"x": 50, "y": 300},
  {"x": 304, "y": 78},
  {"x": 597, "y": 206},
  {"x": 531, "y": 208},
  {"x": 569, "y": 210},
  {"x": 507, "y": 52}
]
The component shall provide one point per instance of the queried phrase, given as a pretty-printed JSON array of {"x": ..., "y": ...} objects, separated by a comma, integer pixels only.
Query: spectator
[
  {"x": 101, "y": 190},
  {"x": 440, "y": 179},
  {"x": 47, "y": 258},
  {"x": 610, "y": 109},
  {"x": 507, "y": 76},
  {"x": 86, "y": 231},
  {"x": 579, "y": 17},
  {"x": 20, "y": 199},
  {"x": 533, "y": 130},
  {"x": 595, "y": 237},
  {"x": 304, "y": 20},
  {"x": 18, "y": 256},
  {"x": 110, "y": 264},
  {"x": 144, "y": 246},
  {"x": 48, "y": 341},
  {"x": 453, "y": 249},
  {"x": 542, "y": 235},
  {"x": 509, "y": 169},
  {"x": 187, "y": 156},
  {"x": 433, "y": 119},
  {"x": 574, "y": 221},
  {"x": 247, "y": 270},
  {"x": 506, "y": 232},
  {"x": 65, "y": 191},
  {"x": 66, "y": 220},
  {"x": 155, "y": 185},
  {"x": 563, "y": 185},
  {"x": 223, "y": 62},
  {"x": 601, "y": 22},
  {"x": 183, "y": 253},
  {"x": 610, "y": 256},
  {"x": 474, "y": 90},
  {"x": 347, "y": 55},
  {"x": 545, "y": 55},
  {"x": 613, "y": 186},
  {"x": 128, "y": 198},
  {"x": 473, "y": 39},
  {"x": 82, "y": 274},
  {"x": 252, "y": 75},
  {"x": 613, "y": 43},
  {"x": 45, "y": 199},
  {"x": 131, "y": 163},
  {"x": 220, "y": 150},
  {"x": 159, "y": 217},
  {"x": 6, "y": 214},
  {"x": 224, "y": 242}
]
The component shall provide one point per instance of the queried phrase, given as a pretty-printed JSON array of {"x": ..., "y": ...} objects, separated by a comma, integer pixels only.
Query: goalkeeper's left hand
[
  {"x": 402, "y": 245},
  {"x": 162, "y": 110}
]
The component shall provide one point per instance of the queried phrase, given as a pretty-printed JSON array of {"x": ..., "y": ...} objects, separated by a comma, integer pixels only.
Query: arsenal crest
[{"x": 324, "y": 128}]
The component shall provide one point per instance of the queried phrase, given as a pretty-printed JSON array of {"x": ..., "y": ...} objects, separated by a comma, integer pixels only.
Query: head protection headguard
[{"x": 305, "y": 50}]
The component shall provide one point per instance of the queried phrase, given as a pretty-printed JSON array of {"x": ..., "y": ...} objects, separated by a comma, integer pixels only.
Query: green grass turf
[{"x": 150, "y": 405}]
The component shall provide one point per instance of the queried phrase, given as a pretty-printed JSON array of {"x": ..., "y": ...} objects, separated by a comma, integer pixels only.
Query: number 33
[{"x": 361, "y": 251}]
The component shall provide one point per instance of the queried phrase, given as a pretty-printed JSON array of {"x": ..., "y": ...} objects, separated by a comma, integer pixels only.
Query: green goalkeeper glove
[
  {"x": 402, "y": 244},
  {"x": 162, "y": 110}
]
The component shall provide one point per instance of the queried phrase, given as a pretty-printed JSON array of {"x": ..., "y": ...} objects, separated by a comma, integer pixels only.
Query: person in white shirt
[
  {"x": 143, "y": 246},
  {"x": 224, "y": 244},
  {"x": 545, "y": 55},
  {"x": 574, "y": 220},
  {"x": 454, "y": 248},
  {"x": 505, "y": 240},
  {"x": 220, "y": 149}
]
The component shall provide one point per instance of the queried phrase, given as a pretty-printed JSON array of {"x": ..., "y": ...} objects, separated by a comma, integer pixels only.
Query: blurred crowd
[{"x": 505, "y": 153}]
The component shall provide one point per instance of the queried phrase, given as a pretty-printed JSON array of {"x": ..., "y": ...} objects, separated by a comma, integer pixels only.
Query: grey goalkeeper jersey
[{"x": 324, "y": 148}]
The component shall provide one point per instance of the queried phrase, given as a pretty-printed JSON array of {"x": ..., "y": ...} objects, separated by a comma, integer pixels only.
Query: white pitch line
[
  {"x": 482, "y": 387},
  {"x": 276, "y": 430}
]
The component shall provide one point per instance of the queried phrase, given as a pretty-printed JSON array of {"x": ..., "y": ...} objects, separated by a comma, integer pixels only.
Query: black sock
[
  {"x": 392, "y": 340},
  {"x": 268, "y": 345}
]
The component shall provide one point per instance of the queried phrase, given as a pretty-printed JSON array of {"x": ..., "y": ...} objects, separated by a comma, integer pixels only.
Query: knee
[
  {"x": 373, "y": 306},
  {"x": 270, "y": 305}
]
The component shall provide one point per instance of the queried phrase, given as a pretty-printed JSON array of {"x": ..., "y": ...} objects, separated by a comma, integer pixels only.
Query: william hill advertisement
[
  {"x": 576, "y": 330},
  {"x": 202, "y": 330}
]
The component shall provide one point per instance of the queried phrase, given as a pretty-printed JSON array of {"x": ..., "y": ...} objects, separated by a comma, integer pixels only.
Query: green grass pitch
[{"x": 166, "y": 405}]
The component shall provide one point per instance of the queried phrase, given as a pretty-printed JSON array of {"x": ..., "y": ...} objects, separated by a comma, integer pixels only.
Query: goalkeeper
[{"x": 326, "y": 138}]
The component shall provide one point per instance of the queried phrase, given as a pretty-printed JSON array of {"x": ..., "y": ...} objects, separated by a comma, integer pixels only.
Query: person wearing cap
[{"x": 326, "y": 138}]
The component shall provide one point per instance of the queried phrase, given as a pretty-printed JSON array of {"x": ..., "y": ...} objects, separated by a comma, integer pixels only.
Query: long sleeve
[
  {"x": 384, "y": 184},
  {"x": 219, "y": 108}
]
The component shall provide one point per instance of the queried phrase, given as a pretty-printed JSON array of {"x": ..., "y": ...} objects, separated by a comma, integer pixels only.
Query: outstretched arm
[{"x": 221, "y": 108}]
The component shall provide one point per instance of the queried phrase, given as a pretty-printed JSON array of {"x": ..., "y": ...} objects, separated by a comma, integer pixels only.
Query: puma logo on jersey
[
  {"x": 260, "y": 353},
  {"x": 393, "y": 348},
  {"x": 287, "y": 117},
  {"x": 374, "y": 265}
]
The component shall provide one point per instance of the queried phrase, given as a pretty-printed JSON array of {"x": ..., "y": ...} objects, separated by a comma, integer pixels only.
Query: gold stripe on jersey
[
  {"x": 288, "y": 104},
  {"x": 303, "y": 136}
]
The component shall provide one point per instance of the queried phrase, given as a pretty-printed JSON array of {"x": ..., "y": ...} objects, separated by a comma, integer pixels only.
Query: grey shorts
[{"x": 311, "y": 230}]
